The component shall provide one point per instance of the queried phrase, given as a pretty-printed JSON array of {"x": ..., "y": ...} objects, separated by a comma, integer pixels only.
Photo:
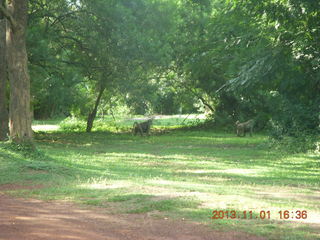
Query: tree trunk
[
  {"x": 4, "y": 120},
  {"x": 92, "y": 115},
  {"x": 19, "y": 108}
]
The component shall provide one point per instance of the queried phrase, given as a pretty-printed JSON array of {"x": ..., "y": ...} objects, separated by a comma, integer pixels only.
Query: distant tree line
[{"x": 235, "y": 60}]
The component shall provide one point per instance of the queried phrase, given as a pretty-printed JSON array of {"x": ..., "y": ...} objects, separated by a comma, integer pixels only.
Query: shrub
[
  {"x": 72, "y": 124},
  {"x": 293, "y": 140}
]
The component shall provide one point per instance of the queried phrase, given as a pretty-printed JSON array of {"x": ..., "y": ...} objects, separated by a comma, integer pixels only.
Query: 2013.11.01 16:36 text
[{"x": 263, "y": 214}]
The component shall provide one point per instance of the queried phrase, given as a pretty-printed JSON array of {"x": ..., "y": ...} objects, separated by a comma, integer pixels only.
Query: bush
[
  {"x": 295, "y": 125},
  {"x": 299, "y": 144},
  {"x": 72, "y": 124},
  {"x": 77, "y": 125},
  {"x": 294, "y": 139}
]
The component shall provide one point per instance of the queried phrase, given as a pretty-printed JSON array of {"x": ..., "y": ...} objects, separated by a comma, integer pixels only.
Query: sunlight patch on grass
[
  {"x": 45, "y": 128},
  {"x": 101, "y": 183},
  {"x": 186, "y": 185},
  {"x": 219, "y": 202},
  {"x": 238, "y": 171},
  {"x": 103, "y": 186},
  {"x": 146, "y": 156}
]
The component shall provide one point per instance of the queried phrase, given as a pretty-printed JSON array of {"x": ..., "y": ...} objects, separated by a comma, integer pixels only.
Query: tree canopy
[{"x": 231, "y": 59}]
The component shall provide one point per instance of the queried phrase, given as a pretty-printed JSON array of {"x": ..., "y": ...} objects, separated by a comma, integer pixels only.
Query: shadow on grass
[
  {"x": 20, "y": 165},
  {"x": 177, "y": 161},
  {"x": 151, "y": 157}
]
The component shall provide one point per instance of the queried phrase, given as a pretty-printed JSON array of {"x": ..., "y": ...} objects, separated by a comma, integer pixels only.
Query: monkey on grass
[
  {"x": 243, "y": 128},
  {"x": 142, "y": 128}
]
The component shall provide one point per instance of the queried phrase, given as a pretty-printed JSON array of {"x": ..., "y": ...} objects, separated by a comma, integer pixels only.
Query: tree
[
  {"x": 285, "y": 66},
  {"x": 119, "y": 40},
  {"x": 19, "y": 106},
  {"x": 4, "y": 121},
  {"x": 54, "y": 74}
]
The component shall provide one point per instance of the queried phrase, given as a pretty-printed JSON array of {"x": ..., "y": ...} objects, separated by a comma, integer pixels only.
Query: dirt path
[{"x": 30, "y": 219}]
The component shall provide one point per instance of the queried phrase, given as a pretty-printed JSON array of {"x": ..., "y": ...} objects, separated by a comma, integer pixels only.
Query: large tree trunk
[
  {"x": 92, "y": 115},
  {"x": 4, "y": 121},
  {"x": 19, "y": 109}
]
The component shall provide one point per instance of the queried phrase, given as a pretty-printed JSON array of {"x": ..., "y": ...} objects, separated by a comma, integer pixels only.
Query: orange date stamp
[{"x": 282, "y": 214}]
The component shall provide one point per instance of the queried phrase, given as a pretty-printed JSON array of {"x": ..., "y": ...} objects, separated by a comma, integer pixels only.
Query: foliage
[
  {"x": 303, "y": 142},
  {"x": 233, "y": 60},
  {"x": 123, "y": 124},
  {"x": 72, "y": 125},
  {"x": 285, "y": 64}
]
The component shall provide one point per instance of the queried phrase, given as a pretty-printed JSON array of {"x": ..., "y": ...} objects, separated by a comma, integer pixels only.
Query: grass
[{"x": 179, "y": 174}]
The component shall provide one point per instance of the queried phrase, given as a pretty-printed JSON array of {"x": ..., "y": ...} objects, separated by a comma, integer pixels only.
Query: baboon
[
  {"x": 243, "y": 128},
  {"x": 143, "y": 127}
]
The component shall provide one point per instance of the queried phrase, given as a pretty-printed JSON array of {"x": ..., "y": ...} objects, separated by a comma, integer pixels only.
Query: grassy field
[{"x": 178, "y": 174}]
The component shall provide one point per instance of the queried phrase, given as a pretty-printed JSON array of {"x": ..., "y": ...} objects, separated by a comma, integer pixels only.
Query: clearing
[{"x": 166, "y": 186}]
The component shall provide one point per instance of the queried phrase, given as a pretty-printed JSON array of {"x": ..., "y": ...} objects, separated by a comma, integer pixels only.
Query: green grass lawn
[{"x": 178, "y": 174}]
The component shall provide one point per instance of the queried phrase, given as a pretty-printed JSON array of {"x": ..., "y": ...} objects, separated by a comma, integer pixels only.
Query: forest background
[{"x": 232, "y": 60}]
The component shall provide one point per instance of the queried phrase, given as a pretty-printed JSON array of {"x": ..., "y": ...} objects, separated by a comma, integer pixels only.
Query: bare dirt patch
[
  {"x": 31, "y": 219},
  {"x": 14, "y": 186}
]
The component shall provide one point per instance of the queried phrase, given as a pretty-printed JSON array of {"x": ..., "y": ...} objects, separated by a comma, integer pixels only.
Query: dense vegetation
[{"x": 234, "y": 60}]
